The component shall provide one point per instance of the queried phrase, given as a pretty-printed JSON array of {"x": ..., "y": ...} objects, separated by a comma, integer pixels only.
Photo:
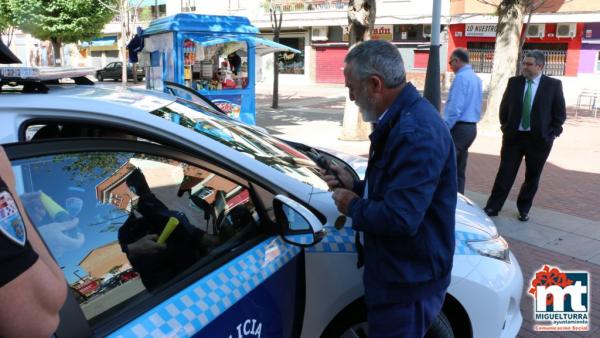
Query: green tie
[{"x": 526, "y": 113}]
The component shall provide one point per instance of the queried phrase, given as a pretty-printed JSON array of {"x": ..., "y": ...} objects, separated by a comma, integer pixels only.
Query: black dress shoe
[
  {"x": 491, "y": 212},
  {"x": 523, "y": 217}
]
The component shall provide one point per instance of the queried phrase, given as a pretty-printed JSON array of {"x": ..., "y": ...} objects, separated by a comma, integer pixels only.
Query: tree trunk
[
  {"x": 508, "y": 32},
  {"x": 124, "y": 9},
  {"x": 57, "y": 56},
  {"x": 361, "y": 19},
  {"x": 276, "y": 25},
  {"x": 522, "y": 39}
]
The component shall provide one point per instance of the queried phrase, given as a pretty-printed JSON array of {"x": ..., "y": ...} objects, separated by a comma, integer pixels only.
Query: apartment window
[
  {"x": 234, "y": 4},
  {"x": 188, "y": 5}
]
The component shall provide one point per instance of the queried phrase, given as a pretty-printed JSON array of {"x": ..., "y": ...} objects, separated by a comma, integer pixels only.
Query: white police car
[{"x": 253, "y": 253}]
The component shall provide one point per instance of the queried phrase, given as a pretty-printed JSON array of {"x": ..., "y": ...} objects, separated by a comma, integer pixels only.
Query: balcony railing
[{"x": 306, "y": 5}]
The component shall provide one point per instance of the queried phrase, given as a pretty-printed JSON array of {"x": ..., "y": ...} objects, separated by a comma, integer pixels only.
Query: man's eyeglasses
[
  {"x": 451, "y": 60},
  {"x": 528, "y": 63}
]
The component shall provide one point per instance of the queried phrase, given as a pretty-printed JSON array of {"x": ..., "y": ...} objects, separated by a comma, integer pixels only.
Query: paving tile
[{"x": 575, "y": 246}]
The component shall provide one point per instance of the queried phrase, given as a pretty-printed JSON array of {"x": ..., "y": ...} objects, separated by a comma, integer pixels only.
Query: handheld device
[
  {"x": 167, "y": 230},
  {"x": 326, "y": 165}
]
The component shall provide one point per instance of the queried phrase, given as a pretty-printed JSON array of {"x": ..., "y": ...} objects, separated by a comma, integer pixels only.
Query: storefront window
[
  {"x": 148, "y": 13},
  {"x": 597, "y": 62},
  {"x": 215, "y": 67},
  {"x": 409, "y": 33},
  {"x": 291, "y": 63}
]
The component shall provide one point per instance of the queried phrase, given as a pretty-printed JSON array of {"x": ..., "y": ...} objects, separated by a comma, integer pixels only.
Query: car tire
[
  {"x": 441, "y": 328},
  {"x": 99, "y": 77},
  {"x": 352, "y": 322}
]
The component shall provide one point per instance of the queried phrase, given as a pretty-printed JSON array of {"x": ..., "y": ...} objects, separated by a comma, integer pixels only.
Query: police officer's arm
[{"x": 31, "y": 301}]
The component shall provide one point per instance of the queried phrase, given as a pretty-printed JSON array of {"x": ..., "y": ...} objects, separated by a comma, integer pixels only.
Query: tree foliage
[{"x": 60, "y": 20}]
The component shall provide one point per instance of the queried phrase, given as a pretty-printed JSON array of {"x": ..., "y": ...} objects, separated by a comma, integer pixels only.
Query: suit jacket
[{"x": 548, "y": 112}]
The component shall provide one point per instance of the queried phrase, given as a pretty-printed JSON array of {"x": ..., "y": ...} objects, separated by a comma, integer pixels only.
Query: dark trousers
[
  {"x": 463, "y": 134},
  {"x": 404, "y": 320},
  {"x": 514, "y": 148}
]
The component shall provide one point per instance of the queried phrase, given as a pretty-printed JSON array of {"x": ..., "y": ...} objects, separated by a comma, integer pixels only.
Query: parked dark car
[{"x": 113, "y": 71}]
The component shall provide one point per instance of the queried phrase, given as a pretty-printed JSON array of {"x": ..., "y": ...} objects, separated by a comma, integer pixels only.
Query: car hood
[{"x": 469, "y": 216}]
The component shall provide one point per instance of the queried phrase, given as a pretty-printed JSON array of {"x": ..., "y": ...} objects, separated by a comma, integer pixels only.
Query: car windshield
[{"x": 245, "y": 139}]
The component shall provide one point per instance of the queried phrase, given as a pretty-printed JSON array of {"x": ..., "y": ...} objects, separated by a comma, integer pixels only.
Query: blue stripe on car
[{"x": 197, "y": 305}]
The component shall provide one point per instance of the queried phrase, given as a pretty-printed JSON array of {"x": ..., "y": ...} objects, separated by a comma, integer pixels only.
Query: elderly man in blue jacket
[{"x": 403, "y": 211}]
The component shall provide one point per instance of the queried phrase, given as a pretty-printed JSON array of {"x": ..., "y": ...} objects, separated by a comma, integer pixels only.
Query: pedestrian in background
[
  {"x": 32, "y": 286},
  {"x": 532, "y": 113},
  {"x": 404, "y": 209},
  {"x": 463, "y": 110}
]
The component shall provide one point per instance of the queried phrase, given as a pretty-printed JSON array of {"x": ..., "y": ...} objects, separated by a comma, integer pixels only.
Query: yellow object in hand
[
  {"x": 171, "y": 225},
  {"x": 50, "y": 205}
]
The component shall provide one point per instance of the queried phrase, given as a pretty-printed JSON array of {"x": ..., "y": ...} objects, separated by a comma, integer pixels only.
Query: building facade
[
  {"x": 558, "y": 28},
  {"x": 319, "y": 29}
]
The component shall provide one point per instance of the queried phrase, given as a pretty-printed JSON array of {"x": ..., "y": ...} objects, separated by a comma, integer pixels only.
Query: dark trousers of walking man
[{"x": 463, "y": 134}]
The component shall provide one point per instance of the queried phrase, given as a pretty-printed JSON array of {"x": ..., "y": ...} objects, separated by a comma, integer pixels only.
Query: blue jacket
[{"x": 408, "y": 217}]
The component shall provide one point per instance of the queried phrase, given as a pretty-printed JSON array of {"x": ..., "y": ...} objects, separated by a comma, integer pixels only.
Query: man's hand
[
  {"x": 342, "y": 198},
  {"x": 146, "y": 245},
  {"x": 346, "y": 179},
  {"x": 59, "y": 240}
]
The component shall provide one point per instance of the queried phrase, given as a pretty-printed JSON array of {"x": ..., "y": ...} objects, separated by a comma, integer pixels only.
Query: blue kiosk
[{"x": 211, "y": 54}]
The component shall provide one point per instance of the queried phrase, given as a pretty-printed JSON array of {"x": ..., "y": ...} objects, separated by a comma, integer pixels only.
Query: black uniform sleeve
[
  {"x": 14, "y": 259},
  {"x": 16, "y": 256}
]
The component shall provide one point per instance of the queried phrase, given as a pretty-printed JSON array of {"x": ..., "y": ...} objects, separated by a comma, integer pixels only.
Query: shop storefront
[
  {"x": 590, "y": 49},
  {"x": 560, "y": 42},
  {"x": 331, "y": 46},
  {"x": 214, "y": 55}
]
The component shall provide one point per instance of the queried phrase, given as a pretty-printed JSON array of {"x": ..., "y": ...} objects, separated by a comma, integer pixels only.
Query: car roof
[{"x": 89, "y": 98}]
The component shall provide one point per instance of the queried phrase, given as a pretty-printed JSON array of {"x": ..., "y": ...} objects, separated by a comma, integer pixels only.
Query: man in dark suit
[{"x": 532, "y": 113}]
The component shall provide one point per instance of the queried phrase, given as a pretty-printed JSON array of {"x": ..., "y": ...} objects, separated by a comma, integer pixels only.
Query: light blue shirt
[
  {"x": 464, "y": 98},
  {"x": 534, "y": 86}
]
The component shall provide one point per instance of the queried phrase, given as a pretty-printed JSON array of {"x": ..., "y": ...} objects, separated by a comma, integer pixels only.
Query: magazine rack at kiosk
[{"x": 214, "y": 55}]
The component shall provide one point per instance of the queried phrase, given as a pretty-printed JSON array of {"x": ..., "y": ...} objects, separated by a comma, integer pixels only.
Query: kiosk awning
[
  {"x": 263, "y": 46},
  {"x": 101, "y": 42}
]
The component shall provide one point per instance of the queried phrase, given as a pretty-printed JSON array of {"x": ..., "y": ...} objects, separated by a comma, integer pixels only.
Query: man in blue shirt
[
  {"x": 463, "y": 110},
  {"x": 404, "y": 209}
]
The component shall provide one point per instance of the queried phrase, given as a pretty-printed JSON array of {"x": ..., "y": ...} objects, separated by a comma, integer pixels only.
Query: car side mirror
[{"x": 298, "y": 225}]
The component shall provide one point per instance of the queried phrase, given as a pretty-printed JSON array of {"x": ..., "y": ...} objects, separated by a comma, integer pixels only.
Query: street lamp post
[{"x": 432, "y": 79}]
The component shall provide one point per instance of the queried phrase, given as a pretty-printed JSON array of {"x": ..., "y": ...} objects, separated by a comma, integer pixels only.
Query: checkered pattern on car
[
  {"x": 197, "y": 305},
  {"x": 335, "y": 241},
  {"x": 343, "y": 241}
]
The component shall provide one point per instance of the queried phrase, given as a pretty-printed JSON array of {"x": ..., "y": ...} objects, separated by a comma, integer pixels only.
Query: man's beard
[{"x": 366, "y": 106}]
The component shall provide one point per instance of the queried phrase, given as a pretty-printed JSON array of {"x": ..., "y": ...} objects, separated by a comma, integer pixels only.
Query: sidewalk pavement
[{"x": 566, "y": 215}]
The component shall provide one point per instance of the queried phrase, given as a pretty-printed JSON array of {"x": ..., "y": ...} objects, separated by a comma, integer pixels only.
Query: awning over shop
[
  {"x": 263, "y": 46},
  {"x": 146, "y": 3},
  {"x": 101, "y": 42}
]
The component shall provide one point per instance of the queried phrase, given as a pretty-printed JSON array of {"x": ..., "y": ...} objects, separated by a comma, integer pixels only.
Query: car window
[
  {"x": 244, "y": 139},
  {"x": 187, "y": 94},
  {"x": 123, "y": 225}
]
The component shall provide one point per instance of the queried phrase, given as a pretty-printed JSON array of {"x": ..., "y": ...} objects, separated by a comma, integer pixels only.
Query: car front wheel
[
  {"x": 352, "y": 322},
  {"x": 99, "y": 77}
]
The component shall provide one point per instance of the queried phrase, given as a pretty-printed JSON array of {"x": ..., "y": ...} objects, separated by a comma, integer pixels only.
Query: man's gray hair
[
  {"x": 377, "y": 57},
  {"x": 540, "y": 58}
]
